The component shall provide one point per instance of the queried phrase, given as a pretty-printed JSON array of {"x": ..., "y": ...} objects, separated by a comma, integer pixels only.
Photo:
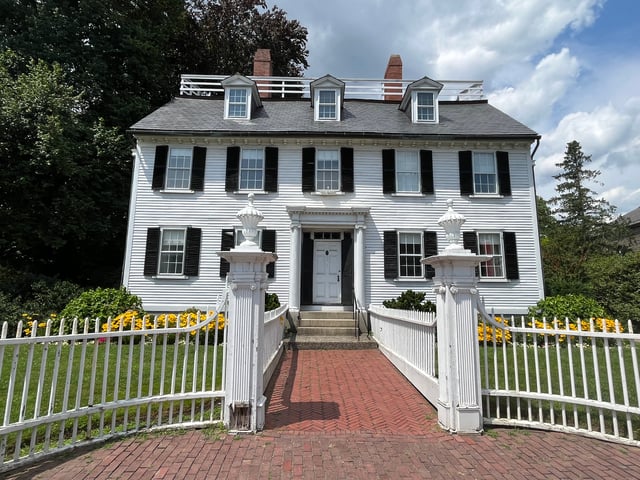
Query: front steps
[{"x": 328, "y": 330}]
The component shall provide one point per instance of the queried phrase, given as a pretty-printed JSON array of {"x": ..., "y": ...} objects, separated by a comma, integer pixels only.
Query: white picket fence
[
  {"x": 580, "y": 377},
  {"x": 408, "y": 339},
  {"x": 274, "y": 325}
]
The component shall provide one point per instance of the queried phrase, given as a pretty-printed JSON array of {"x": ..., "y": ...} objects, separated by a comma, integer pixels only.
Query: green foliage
[
  {"x": 615, "y": 283},
  {"x": 271, "y": 301},
  {"x": 10, "y": 311},
  {"x": 410, "y": 300},
  {"x": 101, "y": 303},
  {"x": 571, "y": 306}
]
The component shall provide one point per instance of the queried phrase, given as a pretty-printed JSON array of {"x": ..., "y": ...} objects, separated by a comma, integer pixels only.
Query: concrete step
[
  {"x": 325, "y": 314},
  {"x": 297, "y": 342},
  {"x": 326, "y": 322},
  {"x": 326, "y": 331}
]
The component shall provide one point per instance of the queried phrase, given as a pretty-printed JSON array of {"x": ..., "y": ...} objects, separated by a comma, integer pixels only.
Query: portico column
[
  {"x": 358, "y": 274},
  {"x": 294, "y": 268}
]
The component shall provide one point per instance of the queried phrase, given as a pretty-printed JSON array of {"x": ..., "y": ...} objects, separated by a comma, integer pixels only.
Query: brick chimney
[
  {"x": 393, "y": 72},
  {"x": 262, "y": 68}
]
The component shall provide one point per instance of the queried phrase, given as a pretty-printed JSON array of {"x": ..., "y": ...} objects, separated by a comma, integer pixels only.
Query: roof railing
[{"x": 361, "y": 88}]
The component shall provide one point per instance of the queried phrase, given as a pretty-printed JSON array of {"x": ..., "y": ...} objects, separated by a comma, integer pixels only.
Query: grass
[{"x": 93, "y": 373}]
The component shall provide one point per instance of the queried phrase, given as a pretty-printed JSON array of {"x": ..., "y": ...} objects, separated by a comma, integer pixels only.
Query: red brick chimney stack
[
  {"x": 262, "y": 68},
  {"x": 394, "y": 72}
]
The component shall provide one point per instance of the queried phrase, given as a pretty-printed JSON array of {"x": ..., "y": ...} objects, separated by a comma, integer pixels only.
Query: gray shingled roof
[
  {"x": 197, "y": 116},
  {"x": 633, "y": 216}
]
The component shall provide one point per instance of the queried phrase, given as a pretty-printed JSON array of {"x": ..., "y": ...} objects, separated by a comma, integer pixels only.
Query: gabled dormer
[
  {"x": 421, "y": 100},
  {"x": 327, "y": 96},
  {"x": 241, "y": 97}
]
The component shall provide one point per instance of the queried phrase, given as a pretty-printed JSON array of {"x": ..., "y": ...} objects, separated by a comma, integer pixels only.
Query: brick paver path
[{"x": 343, "y": 415}]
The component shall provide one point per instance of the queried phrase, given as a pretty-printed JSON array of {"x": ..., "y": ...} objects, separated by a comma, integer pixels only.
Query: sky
[{"x": 568, "y": 69}]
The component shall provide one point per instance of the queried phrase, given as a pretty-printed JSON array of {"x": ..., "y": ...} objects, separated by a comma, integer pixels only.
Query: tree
[
  {"x": 63, "y": 190},
  {"x": 584, "y": 225},
  {"x": 224, "y": 35}
]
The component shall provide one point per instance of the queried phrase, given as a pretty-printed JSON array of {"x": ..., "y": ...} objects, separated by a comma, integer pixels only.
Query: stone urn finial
[
  {"x": 451, "y": 222},
  {"x": 250, "y": 217}
]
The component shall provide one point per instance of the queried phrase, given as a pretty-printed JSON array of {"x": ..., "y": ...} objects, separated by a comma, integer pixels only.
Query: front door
[{"x": 327, "y": 259}]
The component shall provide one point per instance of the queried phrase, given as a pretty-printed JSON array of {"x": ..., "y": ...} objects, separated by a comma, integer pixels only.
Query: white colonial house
[{"x": 351, "y": 176}]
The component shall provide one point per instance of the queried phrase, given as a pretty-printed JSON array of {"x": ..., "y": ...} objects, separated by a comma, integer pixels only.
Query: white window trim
[
  {"x": 417, "y": 192},
  {"x": 227, "y": 103},
  {"x": 400, "y": 276},
  {"x": 237, "y": 231},
  {"x": 414, "y": 106},
  {"x": 329, "y": 191},
  {"x": 476, "y": 194},
  {"x": 188, "y": 189},
  {"x": 184, "y": 253},
  {"x": 338, "y": 103},
  {"x": 250, "y": 190},
  {"x": 503, "y": 277}
]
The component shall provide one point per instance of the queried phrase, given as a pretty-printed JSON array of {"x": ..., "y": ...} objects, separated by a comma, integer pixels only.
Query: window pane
[
  {"x": 489, "y": 244},
  {"x": 425, "y": 106},
  {"x": 327, "y": 170},
  {"x": 238, "y": 103},
  {"x": 484, "y": 173},
  {"x": 179, "y": 168},
  {"x": 407, "y": 172},
  {"x": 327, "y": 104},
  {"x": 252, "y": 169},
  {"x": 172, "y": 251},
  {"x": 410, "y": 254}
]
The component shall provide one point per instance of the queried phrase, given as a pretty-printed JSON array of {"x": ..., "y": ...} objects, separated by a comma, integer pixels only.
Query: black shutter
[
  {"x": 227, "y": 242},
  {"x": 430, "y": 249},
  {"x": 504, "y": 178},
  {"x": 426, "y": 171},
  {"x": 232, "y": 181},
  {"x": 269, "y": 245},
  {"x": 192, "y": 252},
  {"x": 271, "y": 169},
  {"x": 346, "y": 167},
  {"x": 465, "y": 164},
  {"x": 389, "y": 171},
  {"x": 308, "y": 169},
  {"x": 306, "y": 270},
  {"x": 347, "y": 269},
  {"x": 510, "y": 255},
  {"x": 197, "y": 169},
  {"x": 470, "y": 242},
  {"x": 152, "y": 252},
  {"x": 160, "y": 167},
  {"x": 390, "y": 254}
]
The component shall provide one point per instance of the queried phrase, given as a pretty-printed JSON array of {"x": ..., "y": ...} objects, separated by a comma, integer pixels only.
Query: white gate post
[
  {"x": 244, "y": 408},
  {"x": 460, "y": 399}
]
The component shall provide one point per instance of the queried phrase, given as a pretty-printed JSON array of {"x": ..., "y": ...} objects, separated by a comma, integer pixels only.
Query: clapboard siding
[{"x": 213, "y": 209}]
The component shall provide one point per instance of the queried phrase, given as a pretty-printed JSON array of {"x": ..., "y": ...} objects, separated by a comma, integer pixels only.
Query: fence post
[
  {"x": 244, "y": 408},
  {"x": 460, "y": 396}
]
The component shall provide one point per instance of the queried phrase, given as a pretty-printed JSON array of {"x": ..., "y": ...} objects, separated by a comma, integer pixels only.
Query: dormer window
[
  {"x": 327, "y": 105},
  {"x": 327, "y": 94},
  {"x": 237, "y": 106},
  {"x": 240, "y": 97},
  {"x": 420, "y": 101}
]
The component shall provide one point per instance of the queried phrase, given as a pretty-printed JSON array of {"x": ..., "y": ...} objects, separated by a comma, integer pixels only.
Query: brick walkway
[{"x": 347, "y": 414}]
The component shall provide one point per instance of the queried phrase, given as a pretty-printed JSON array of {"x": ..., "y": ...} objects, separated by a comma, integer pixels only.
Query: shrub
[
  {"x": 271, "y": 301},
  {"x": 10, "y": 310},
  {"x": 50, "y": 296},
  {"x": 101, "y": 303},
  {"x": 567, "y": 306},
  {"x": 410, "y": 300}
]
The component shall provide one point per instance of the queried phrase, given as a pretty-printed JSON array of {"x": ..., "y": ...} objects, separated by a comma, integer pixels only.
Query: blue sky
[{"x": 569, "y": 69}]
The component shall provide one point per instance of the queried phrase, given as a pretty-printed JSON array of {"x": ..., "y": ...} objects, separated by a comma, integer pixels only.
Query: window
[
  {"x": 252, "y": 169},
  {"x": 404, "y": 251},
  {"x": 490, "y": 244},
  {"x": 327, "y": 105},
  {"x": 485, "y": 178},
  {"x": 328, "y": 170},
  {"x": 425, "y": 107},
  {"x": 237, "y": 106},
  {"x": 410, "y": 254},
  {"x": 503, "y": 250},
  {"x": 179, "y": 169},
  {"x": 484, "y": 173},
  {"x": 233, "y": 237},
  {"x": 172, "y": 252},
  {"x": 407, "y": 172},
  {"x": 239, "y": 237}
]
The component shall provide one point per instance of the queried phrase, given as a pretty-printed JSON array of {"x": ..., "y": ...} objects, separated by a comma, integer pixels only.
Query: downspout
[{"x": 535, "y": 211}]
